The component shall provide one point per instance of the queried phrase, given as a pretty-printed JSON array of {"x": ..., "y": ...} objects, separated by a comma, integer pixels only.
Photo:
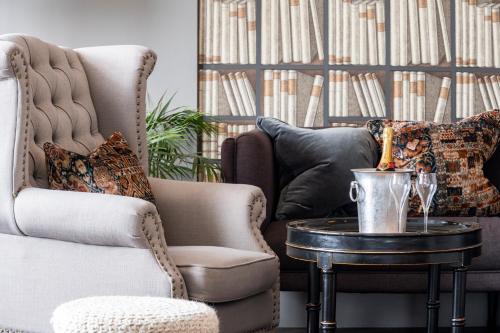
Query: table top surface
[{"x": 444, "y": 242}]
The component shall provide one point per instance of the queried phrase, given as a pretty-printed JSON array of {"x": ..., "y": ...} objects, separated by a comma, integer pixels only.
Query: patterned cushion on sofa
[
  {"x": 112, "y": 168},
  {"x": 457, "y": 153}
]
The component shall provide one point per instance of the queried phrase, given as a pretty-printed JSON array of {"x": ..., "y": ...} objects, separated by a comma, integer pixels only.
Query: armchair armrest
[
  {"x": 117, "y": 78},
  {"x": 214, "y": 214},
  {"x": 88, "y": 218}
]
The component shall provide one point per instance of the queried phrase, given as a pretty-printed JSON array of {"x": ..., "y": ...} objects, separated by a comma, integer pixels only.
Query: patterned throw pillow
[
  {"x": 111, "y": 168},
  {"x": 457, "y": 153}
]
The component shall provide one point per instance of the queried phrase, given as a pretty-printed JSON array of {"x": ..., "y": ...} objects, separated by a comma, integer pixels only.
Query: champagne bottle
[{"x": 387, "y": 161}]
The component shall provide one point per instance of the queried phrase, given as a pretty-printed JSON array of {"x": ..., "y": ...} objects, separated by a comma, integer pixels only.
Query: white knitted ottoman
[{"x": 127, "y": 314}]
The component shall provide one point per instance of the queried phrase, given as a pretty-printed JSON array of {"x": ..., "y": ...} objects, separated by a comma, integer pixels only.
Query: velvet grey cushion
[{"x": 314, "y": 167}]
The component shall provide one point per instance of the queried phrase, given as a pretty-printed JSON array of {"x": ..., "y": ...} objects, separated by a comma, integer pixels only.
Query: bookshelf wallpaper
[{"x": 322, "y": 63}]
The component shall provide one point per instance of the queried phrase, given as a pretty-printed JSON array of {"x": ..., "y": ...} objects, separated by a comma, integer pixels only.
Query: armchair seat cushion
[{"x": 220, "y": 274}]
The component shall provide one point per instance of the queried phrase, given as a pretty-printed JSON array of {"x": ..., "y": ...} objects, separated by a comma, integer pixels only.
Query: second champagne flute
[{"x": 426, "y": 185}]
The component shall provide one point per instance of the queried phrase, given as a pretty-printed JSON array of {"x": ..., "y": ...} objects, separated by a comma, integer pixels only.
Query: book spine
[
  {"x": 213, "y": 146},
  {"x": 201, "y": 31},
  {"x": 286, "y": 34},
  {"x": 331, "y": 93},
  {"x": 359, "y": 96},
  {"x": 229, "y": 96},
  {"x": 398, "y": 96},
  {"x": 292, "y": 98},
  {"x": 205, "y": 145},
  {"x": 274, "y": 32},
  {"x": 380, "y": 93},
  {"x": 366, "y": 94},
  {"x": 295, "y": 28},
  {"x": 495, "y": 18},
  {"x": 472, "y": 83},
  {"x": 444, "y": 92},
  {"x": 465, "y": 95},
  {"x": 224, "y": 33},
  {"x": 305, "y": 37},
  {"x": 480, "y": 35},
  {"x": 363, "y": 34},
  {"x": 458, "y": 98},
  {"x": 346, "y": 32},
  {"x": 233, "y": 33},
  {"x": 355, "y": 34},
  {"x": 420, "y": 96},
  {"x": 242, "y": 33},
  {"x": 380, "y": 31},
  {"x": 414, "y": 32},
  {"x": 496, "y": 88},
  {"x": 338, "y": 93},
  {"x": 276, "y": 93},
  {"x": 312, "y": 107},
  {"x": 458, "y": 32},
  {"x": 208, "y": 92},
  {"x": 252, "y": 31},
  {"x": 444, "y": 30},
  {"x": 433, "y": 33},
  {"x": 472, "y": 33},
  {"x": 372, "y": 90},
  {"x": 209, "y": 30},
  {"x": 465, "y": 33},
  {"x": 247, "y": 104},
  {"x": 216, "y": 48},
  {"x": 221, "y": 136},
  {"x": 484, "y": 95},
  {"x": 395, "y": 47},
  {"x": 250, "y": 92},
  {"x": 284, "y": 96},
  {"x": 413, "y": 96},
  {"x": 406, "y": 96},
  {"x": 317, "y": 30},
  {"x": 338, "y": 32},
  {"x": 403, "y": 32},
  {"x": 201, "y": 91},
  {"x": 236, "y": 94},
  {"x": 423, "y": 23},
  {"x": 345, "y": 94},
  {"x": 488, "y": 34},
  {"x": 268, "y": 93},
  {"x": 215, "y": 93},
  {"x": 331, "y": 32},
  {"x": 491, "y": 93},
  {"x": 266, "y": 31},
  {"x": 371, "y": 16}
]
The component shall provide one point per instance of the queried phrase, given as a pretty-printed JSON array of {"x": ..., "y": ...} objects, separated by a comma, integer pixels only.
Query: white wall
[{"x": 167, "y": 26}]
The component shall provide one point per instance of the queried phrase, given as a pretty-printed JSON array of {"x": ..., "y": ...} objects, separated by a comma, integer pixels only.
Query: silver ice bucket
[{"x": 377, "y": 210}]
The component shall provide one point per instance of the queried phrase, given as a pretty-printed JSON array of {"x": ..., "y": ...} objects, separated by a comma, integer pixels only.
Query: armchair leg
[{"x": 492, "y": 311}]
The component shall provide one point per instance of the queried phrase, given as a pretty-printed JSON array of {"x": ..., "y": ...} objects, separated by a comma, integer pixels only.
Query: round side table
[{"x": 325, "y": 243}]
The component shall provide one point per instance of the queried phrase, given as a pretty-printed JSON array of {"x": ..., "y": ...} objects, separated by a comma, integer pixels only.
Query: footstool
[{"x": 127, "y": 314}]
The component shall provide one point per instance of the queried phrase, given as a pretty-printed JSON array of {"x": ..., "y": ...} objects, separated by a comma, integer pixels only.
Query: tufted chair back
[{"x": 51, "y": 94}]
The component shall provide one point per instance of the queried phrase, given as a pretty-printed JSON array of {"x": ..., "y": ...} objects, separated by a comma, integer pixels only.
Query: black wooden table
[{"x": 325, "y": 243}]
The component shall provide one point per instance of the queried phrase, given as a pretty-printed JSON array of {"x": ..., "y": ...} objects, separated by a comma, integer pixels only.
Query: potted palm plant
[{"x": 172, "y": 137}]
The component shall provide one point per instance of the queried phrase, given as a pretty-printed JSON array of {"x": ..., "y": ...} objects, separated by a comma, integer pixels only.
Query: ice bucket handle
[{"x": 354, "y": 186}]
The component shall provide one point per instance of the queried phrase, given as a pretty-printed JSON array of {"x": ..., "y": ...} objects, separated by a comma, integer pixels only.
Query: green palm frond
[{"x": 172, "y": 134}]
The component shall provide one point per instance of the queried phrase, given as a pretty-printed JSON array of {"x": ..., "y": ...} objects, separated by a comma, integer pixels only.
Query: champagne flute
[
  {"x": 426, "y": 185},
  {"x": 400, "y": 186}
]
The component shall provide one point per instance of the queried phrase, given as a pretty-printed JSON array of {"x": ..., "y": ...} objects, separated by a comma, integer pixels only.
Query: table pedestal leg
[
  {"x": 459, "y": 287},
  {"x": 328, "y": 323},
  {"x": 433, "y": 299},
  {"x": 313, "y": 305}
]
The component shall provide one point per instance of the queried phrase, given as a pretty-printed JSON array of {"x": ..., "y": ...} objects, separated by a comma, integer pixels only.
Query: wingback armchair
[{"x": 58, "y": 245}]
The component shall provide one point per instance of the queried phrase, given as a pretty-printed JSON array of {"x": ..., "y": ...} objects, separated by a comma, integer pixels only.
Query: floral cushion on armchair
[
  {"x": 112, "y": 168},
  {"x": 456, "y": 153}
]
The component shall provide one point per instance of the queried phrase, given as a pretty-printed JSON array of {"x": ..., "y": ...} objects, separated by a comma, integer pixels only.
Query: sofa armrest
[
  {"x": 117, "y": 78},
  {"x": 211, "y": 214},
  {"x": 249, "y": 159},
  {"x": 87, "y": 218}
]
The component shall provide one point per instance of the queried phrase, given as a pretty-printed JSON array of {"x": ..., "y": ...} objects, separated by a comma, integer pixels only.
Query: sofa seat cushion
[{"x": 220, "y": 274}]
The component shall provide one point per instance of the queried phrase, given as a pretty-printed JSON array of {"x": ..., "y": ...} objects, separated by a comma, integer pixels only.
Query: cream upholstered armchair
[{"x": 57, "y": 245}]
